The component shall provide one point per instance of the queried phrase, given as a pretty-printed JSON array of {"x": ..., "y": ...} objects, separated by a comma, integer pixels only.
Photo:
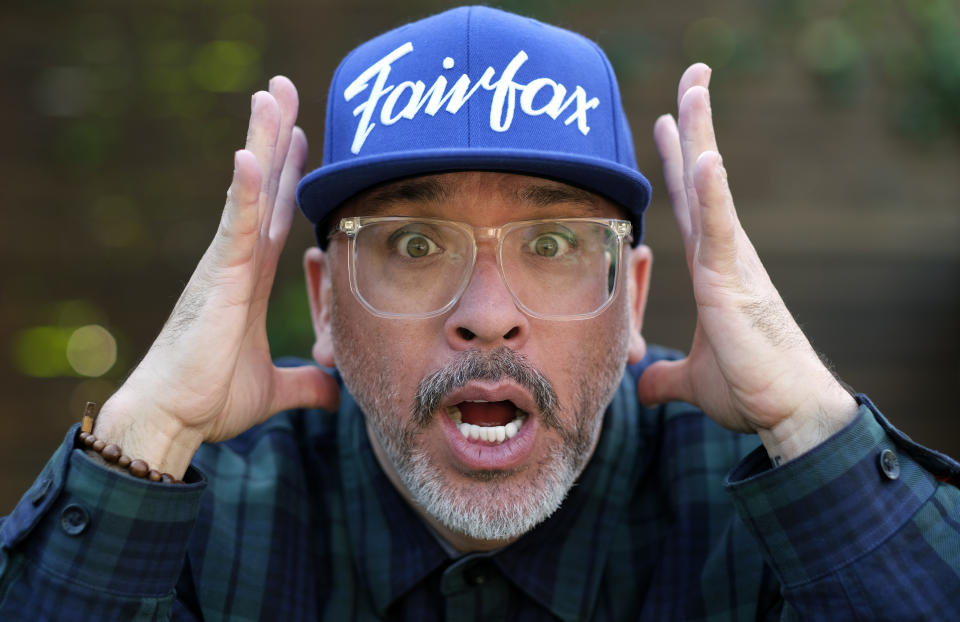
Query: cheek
[
  {"x": 381, "y": 361},
  {"x": 584, "y": 360},
  {"x": 602, "y": 340}
]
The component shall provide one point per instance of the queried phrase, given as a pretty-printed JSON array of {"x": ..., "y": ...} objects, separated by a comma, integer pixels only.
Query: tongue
[{"x": 487, "y": 413}]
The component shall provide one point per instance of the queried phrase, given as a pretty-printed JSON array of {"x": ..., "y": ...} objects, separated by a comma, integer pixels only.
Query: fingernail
[
  {"x": 270, "y": 85},
  {"x": 253, "y": 102}
]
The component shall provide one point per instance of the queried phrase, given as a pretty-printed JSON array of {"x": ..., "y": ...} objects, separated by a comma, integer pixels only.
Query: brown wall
[{"x": 119, "y": 125}]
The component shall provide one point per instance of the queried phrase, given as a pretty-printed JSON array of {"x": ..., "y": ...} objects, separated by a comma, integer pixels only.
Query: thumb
[
  {"x": 304, "y": 387},
  {"x": 664, "y": 381}
]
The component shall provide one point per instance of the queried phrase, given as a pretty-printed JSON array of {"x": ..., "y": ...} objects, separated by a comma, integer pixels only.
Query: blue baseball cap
[{"x": 476, "y": 88}]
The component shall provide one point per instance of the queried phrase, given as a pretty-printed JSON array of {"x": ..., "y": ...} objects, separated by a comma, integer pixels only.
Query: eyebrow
[
  {"x": 408, "y": 191},
  {"x": 541, "y": 195}
]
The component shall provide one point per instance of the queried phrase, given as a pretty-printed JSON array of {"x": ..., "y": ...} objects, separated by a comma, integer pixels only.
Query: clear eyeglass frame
[{"x": 352, "y": 226}]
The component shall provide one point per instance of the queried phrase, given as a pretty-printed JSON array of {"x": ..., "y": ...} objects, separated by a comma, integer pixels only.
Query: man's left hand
[{"x": 750, "y": 367}]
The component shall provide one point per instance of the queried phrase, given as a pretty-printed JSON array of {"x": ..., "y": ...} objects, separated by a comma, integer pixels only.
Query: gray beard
[
  {"x": 483, "y": 516},
  {"x": 490, "y": 507},
  {"x": 486, "y": 509}
]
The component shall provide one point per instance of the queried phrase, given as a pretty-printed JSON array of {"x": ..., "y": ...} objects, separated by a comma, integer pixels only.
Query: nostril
[
  {"x": 465, "y": 334},
  {"x": 511, "y": 333}
]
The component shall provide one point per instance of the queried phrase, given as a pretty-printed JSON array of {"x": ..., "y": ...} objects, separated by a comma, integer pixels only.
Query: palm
[
  {"x": 210, "y": 369},
  {"x": 750, "y": 366}
]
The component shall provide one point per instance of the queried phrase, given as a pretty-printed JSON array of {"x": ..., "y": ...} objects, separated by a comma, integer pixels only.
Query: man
[{"x": 479, "y": 287}]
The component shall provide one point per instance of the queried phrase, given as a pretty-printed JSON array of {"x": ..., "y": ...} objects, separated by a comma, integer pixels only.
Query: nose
[{"x": 486, "y": 316}]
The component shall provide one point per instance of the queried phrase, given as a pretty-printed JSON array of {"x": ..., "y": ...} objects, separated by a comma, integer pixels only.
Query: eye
[
  {"x": 551, "y": 245},
  {"x": 414, "y": 245}
]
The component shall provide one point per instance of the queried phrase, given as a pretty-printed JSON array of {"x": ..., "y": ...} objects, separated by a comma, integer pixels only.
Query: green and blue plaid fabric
[{"x": 673, "y": 519}]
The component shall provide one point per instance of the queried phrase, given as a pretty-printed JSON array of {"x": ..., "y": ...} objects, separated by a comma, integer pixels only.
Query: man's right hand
[{"x": 209, "y": 375}]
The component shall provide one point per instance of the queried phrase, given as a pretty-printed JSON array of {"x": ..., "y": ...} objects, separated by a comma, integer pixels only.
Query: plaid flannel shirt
[{"x": 295, "y": 520}]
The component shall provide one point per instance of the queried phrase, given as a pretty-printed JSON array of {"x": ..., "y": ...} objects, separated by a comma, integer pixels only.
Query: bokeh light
[
  {"x": 91, "y": 350},
  {"x": 40, "y": 351},
  {"x": 225, "y": 66}
]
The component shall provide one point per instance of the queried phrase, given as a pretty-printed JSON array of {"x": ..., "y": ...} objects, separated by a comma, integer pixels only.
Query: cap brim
[{"x": 324, "y": 189}]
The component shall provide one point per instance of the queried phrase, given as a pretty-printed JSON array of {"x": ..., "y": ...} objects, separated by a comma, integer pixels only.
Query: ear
[
  {"x": 317, "y": 272},
  {"x": 638, "y": 286}
]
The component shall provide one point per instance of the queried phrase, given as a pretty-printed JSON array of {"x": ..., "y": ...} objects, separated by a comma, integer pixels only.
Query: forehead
[{"x": 462, "y": 194}]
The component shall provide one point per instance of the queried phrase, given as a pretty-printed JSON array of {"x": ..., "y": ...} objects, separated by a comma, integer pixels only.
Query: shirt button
[
  {"x": 889, "y": 464},
  {"x": 74, "y": 519},
  {"x": 477, "y": 574}
]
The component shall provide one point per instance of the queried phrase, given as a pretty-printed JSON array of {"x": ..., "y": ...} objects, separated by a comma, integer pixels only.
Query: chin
[{"x": 491, "y": 505}]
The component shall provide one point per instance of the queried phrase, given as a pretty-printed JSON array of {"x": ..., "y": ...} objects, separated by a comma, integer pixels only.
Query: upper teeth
[{"x": 491, "y": 433}]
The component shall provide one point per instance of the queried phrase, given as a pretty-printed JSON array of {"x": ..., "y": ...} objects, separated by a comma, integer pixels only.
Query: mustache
[{"x": 495, "y": 365}]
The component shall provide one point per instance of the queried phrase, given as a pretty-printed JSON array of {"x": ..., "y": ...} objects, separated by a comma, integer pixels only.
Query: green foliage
[
  {"x": 912, "y": 47},
  {"x": 225, "y": 66},
  {"x": 288, "y": 320}
]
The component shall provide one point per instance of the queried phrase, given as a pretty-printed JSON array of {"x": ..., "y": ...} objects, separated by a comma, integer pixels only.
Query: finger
[
  {"x": 285, "y": 207},
  {"x": 285, "y": 94},
  {"x": 667, "y": 140},
  {"x": 239, "y": 223},
  {"x": 304, "y": 387},
  {"x": 286, "y": 195},
  {"x": 697, "y": 74},
  {"x": 664, "y": 381},
  {"x": 695, "y": 126},
  {"x": 262, "y": 134},
  {"x": 718, "y": 220},
  {"x": 696, "y": 136}
]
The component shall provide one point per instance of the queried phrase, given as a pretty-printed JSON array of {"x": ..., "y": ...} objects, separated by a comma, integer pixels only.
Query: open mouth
[{"x": 481, "y": 420}]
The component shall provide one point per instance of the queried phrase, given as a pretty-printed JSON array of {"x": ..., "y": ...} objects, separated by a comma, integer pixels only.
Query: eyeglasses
[{"x": 562, "y": 269}]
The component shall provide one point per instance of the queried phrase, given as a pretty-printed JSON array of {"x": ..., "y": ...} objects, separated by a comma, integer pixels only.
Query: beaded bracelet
[{"x": 114, "y": 455}]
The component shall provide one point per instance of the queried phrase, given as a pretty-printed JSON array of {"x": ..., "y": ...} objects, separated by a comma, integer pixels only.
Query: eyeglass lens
[{"x": 411, "y": 267}]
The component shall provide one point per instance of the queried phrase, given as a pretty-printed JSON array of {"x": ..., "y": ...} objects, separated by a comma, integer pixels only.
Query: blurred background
[{"x": 839, "y": 121}]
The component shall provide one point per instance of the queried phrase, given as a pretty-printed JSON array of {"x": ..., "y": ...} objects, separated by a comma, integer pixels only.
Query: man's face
[{"x": 541, "y": 386}]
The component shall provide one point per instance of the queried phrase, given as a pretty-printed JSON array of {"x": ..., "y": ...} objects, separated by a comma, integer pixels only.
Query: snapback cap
[{"x": 476, "y": 88}]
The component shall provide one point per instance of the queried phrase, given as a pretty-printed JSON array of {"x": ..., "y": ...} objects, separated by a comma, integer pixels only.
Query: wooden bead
[
  {"x": 139, "y": 468},
  {"x": 111, "y": 453},
  {"x": 89, "y": 414}
]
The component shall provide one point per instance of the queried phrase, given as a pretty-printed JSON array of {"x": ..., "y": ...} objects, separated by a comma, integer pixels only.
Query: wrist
[
  {"x": 147, "y": 434},
  {"x": 794, "y": 436}
]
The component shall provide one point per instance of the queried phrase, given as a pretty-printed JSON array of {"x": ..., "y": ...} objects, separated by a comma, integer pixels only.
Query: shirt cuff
[
  {"x": 823, "y": 510},
  {"x": 86, "y": 524}
]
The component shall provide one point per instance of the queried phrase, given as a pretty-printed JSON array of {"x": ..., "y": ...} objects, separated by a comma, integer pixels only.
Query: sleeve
[
  {"x": 865, "y": 526},
  {"x": 90, "y": 543}
]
